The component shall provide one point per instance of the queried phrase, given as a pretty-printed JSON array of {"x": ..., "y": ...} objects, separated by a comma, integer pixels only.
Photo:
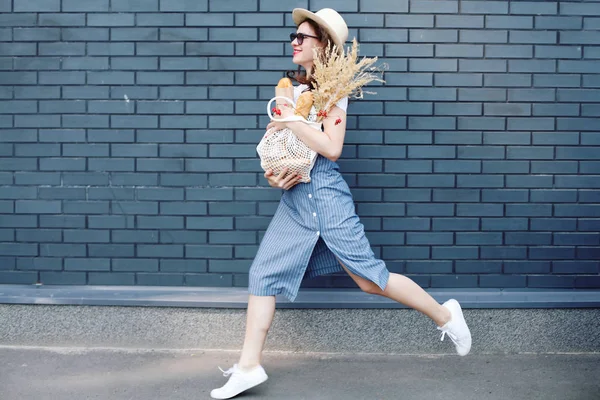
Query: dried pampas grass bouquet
[{"x": 339, "y": 74}]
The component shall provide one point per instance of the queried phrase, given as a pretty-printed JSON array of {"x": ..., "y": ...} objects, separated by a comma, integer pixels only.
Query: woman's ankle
[{"x": 247, "y": 366}]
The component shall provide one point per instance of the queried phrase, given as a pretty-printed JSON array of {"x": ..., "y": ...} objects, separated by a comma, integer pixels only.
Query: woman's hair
[{"x": 301, "y": 76}]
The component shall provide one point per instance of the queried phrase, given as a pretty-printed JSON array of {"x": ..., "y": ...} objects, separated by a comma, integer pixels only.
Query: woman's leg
[
  {"x": 404, "y": 290},
  {"x": 248, "y": 372},
  {"x": 261, "y": 310}
]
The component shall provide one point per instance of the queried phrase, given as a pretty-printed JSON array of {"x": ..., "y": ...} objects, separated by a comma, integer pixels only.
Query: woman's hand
[{"x": 282, "y": 181}]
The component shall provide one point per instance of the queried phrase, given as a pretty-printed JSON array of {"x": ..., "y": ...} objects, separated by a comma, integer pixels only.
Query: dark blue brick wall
[{"x": 128, "y": 134}]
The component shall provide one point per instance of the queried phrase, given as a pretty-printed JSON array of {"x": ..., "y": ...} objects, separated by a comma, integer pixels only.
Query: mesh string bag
[{"x": 279, "y": 149}]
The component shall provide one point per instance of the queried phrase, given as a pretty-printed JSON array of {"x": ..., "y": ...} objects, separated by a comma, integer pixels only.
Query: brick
[
  {"x": 58, "y": 193},
  {"x": 553, "y": 196},
  {"x": 503, "y": 252},
  {"x": 431, "y": 180},
  {"x": 159, "y": 49},
  {"x": 554, "y": 167},
  {"x": 62, "y": 106},
  {"x": 184, "y": 5},
  {"x": 110, "y": 278},
  {"x": 61, "y": 77},
  {"x": 530, "y": 124},
  {"x": 578, "y": 66},
  {"x": 456, "y": 166},
  {"x": 478, "y": 238},
  {"x": 85, "y": 121},
  {"x": 522, "y": 267},
  {"x": 209, "y": 280},
  {"x": 134, "y": 265},
  {"x": 62, "y": 278},
  {"x": 62, "y": 250},
  {"x": 586, "y": 239},
  {"x": 209, "y": 19},
  {"x": 85, "y": 34},
  {"x": 182, "y": 265},
  {"x": 575, "y": 267},
  {"x": 557, "y": 109},
  {"x": 539, "y": 181},
  {"x": 110, "y": 222},
  {"x": 164, "y": 194},
  {"x": 484, "y": 7},
  {"x": 39, "y": 263},
  {"x": 110, "y": 19},
  {"x": 481, "y": 123},
  {"x": 188, "y": 179},
  {"x": 578, "y": 124},
  {"x": 579, "y": 9},
  {"x": 17, "y": 164},
  {"x": 37, "y": 6},
  {"x": 558, "y": 52},
  {"x": 578, "y": 95},
  {"x": 455, "y": 195},
  {"x": 475, "y": 267},
  {"x": 36, "y": 92},
  {"x": 160, "y": 19},
  {"x": 528, "y": 210},
  {"x": 185, "y": 34},
  {"x": 85, "y": 150},
  {"x": 478, "y": 36},
  {"x": 456, "y": 281},
  {"x": 432, "y": 94},
  {"x": 37, "y": 178},
  {"x": 17, "y": 49},
  {"x": 232, "y": 34},
  {"x": 507, "y": 109},
  {"x": 84, "y": 92},
  {"x": 134, "y": 5},
  {"x": 62, "y": 19},
  {"x": 134, "y": 121},
  {"x": 36, "y": 34},
  {"x": 61, "y": 221},
  {"x": 157, "y": 164},
  {"x": 406, "y": 252},
  {"x": 39, "y": 235},
  {"x": 387, "y": 35},
  {"x": 433, "y": 35},
  {"x": 85, "y": 5},
  {"x": 479, "y": 210},
  {"x": 534, "y": 37},
  {"x": 85, "y": 207},
  {"x": 457, "y": 137},
  {"x": 19, "y": 78},
  {"x": 588, "y": 224},
  {"x": 160, "y": 251}
]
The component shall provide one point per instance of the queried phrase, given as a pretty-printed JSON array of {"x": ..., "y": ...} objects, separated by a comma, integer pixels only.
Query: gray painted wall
[{"x": 127, "y": 152}]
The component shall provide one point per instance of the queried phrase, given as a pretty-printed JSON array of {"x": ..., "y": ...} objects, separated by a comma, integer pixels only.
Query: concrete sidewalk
[{"x": 28, "y": 373}]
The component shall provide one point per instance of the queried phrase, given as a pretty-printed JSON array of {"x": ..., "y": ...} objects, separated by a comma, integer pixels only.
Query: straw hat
[{"x": 327, "y": 18}]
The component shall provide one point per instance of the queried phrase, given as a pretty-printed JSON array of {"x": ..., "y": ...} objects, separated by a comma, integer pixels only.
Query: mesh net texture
[{"x": 281, "y": 149}]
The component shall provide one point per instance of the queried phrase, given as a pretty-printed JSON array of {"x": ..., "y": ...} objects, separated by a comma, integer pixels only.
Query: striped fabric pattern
[{"x": 315, "y": 225}]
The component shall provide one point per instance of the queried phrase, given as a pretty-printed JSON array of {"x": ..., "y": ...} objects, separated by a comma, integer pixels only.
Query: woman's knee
[{"x": 369, "y": 287}]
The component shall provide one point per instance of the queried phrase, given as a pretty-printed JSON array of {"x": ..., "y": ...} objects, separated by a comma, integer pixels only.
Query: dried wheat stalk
[{"x": 339, "y": 74}]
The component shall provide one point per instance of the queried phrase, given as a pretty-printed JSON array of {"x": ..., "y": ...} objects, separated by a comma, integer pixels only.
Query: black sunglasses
[{"x": 300, "y": 37}]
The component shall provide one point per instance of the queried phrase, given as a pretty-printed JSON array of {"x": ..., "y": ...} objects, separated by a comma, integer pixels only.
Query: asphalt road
[{"x": 120, "y": 374}]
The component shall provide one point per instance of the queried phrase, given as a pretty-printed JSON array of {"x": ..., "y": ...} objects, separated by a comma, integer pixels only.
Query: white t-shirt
[{"x": 343, "y": 103}]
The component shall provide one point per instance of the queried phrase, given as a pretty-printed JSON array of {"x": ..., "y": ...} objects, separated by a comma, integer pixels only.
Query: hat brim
[{"x": 300, "y": 15}]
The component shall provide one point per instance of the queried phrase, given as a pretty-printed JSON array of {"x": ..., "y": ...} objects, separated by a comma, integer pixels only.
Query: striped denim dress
[{"x": 315, "y": 225}]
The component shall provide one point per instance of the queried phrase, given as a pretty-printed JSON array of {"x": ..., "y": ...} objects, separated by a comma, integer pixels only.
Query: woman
[{"x": 315, "y": 230}]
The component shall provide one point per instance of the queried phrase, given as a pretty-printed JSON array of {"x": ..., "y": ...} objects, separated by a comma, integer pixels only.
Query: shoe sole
[{"x": 241, "y": 391}]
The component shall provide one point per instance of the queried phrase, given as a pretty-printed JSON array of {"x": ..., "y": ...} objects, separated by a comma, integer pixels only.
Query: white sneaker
[
  {"x": 239, "y": 381},
  {"x": 457, "y": 329}
]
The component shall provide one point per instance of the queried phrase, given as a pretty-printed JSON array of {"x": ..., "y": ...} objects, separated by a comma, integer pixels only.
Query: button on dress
[{"x": 314, "y": 225}]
